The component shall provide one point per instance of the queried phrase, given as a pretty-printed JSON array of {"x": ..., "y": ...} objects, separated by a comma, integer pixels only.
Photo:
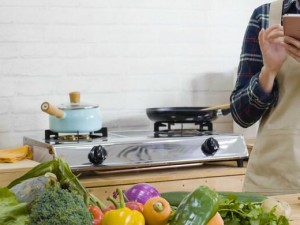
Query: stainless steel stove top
[{"x": 135, "y": 150}]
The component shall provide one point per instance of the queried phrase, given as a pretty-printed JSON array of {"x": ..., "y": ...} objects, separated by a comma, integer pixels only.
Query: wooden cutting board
[
  {"x": 23, "y": 164},
  {"x": 11, "y": 171}
]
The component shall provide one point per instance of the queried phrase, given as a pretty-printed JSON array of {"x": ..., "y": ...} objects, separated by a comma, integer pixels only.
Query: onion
[
  {"x": 140, "y": 192},
  {"x": 282, "y": 208}
]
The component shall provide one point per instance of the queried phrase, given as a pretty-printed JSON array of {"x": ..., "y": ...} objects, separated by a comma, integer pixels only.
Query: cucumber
[
  {"x": 175, "y": 197},
  {"x": 243, "y": 196}
]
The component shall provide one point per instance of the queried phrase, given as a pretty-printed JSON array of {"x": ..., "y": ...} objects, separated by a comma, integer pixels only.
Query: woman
[{"x": 268, "y": 89}]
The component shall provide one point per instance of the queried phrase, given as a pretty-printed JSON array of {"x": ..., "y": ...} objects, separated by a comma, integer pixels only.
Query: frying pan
[{"x": 186, "y": 114}]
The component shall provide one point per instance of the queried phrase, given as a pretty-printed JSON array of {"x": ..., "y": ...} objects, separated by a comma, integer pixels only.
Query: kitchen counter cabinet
[{"x": 222, "y": 176}]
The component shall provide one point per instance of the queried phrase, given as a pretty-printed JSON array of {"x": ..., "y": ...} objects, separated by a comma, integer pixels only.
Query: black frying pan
[{"x": 184, "y": 114}]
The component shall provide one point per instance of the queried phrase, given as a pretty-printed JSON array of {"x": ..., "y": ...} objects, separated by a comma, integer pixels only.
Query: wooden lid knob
[
  {"x": 74, "y": 97},
  {"x": 52, "y": 110}
]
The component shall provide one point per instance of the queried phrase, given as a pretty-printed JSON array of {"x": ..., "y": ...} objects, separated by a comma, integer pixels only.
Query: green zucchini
[{"x": 175, "y": 197}]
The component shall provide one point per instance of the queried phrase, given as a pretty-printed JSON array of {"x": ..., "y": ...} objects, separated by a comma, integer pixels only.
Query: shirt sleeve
[{"x": 248, "y": 100}]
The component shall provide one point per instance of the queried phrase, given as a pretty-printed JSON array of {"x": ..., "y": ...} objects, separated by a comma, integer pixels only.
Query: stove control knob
[
  {"x": 97, "y": 155},
  {"x": 210, "y": 146}
]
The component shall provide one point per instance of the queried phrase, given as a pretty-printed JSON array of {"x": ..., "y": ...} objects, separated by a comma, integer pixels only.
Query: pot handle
[
  {"x": 52, "y": 110},
  {"x": 222, "y": 107}
]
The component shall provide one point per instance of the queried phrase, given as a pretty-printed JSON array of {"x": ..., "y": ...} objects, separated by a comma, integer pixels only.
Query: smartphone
[{"x": 291, "y": 25}]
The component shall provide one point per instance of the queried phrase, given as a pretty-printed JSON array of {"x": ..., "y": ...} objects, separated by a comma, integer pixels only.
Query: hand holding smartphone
[{"x": 291, "y": 25}]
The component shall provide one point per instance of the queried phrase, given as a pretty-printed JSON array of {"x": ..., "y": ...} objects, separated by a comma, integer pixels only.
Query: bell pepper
[
  {"x": 197, "y": 208},
  {"x": 131, "y": 205},
  {"x": 122, "y": 215}
]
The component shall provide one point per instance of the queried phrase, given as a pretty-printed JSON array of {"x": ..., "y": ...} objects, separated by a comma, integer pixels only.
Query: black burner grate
[
  {"x": 74, "y": 137},
  {"x": 202, "y": 128}
]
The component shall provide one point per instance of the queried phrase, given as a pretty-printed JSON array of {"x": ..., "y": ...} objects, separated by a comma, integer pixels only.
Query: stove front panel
[{"x": 153, "y": 152}]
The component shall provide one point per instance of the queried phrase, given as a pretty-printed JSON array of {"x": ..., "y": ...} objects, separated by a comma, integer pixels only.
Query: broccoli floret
[{"x": 59, "y": 206}]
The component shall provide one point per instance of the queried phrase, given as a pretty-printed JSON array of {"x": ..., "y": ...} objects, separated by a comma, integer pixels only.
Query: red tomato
[
  {"x": 96, "y": 222},
  {"x": 111, "y": 207},
  {"x": 135, "y": 206},
  {"x": 97, "y": 214}
]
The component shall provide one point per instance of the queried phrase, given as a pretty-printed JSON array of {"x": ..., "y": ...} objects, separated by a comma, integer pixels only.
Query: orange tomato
[
  {"x": 157, "y": 211},
  {"x": 216, "y": 220}
]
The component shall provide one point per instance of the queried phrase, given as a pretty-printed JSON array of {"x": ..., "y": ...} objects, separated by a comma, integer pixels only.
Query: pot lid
[
  {"x": 75, "y": 103},
  {"x": 73, "y": 106}
]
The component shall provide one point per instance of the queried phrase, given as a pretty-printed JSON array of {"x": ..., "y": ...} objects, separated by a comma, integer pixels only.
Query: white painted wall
[{"x": 125, "y": 55}]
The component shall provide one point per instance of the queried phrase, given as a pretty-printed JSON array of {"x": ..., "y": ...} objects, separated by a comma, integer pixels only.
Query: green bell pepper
[{"x": 197, "y": 208}]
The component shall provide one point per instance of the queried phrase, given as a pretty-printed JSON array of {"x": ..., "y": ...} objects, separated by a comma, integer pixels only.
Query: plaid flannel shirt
[{"x": 248, "y": 101}]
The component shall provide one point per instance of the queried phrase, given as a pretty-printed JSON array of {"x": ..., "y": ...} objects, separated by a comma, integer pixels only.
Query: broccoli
[{"x": 59, "y": 206}]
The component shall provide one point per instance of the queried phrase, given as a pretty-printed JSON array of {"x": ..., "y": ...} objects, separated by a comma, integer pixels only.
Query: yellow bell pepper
[{"x": 123, "y": 215}]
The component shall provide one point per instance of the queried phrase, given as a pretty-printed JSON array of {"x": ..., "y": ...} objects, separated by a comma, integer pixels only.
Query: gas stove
[{"x": 139, "y": 150}]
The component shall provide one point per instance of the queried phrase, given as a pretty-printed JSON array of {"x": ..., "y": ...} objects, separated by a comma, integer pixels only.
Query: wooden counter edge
[{"x": 220, "y": 169}]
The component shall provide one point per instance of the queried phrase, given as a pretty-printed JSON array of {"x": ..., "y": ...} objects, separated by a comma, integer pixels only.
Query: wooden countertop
[{"x": 10, "y": 171}]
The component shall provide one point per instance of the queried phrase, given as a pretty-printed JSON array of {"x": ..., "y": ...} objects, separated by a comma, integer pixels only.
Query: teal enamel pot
[{"x": 73, "y": 117}]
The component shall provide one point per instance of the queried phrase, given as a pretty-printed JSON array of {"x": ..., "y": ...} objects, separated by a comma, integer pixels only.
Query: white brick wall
[{"x": 125, "y": 55}]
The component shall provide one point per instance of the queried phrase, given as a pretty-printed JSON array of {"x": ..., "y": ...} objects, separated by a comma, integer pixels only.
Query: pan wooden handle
[
  {"x": 52, "y": 110},
  {"x": 224, "y": 106}
]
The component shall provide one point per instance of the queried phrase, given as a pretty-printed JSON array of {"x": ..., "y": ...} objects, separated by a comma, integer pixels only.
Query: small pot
[{"x": 73, "y": 117}]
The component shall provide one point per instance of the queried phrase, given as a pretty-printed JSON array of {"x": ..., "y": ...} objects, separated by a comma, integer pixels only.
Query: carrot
[
  {"x": 157, "y": 211},
  {"x": 216, "y": 220}
]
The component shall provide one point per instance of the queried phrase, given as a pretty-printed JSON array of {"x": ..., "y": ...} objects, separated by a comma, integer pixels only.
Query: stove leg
[{"x": 240, "y": 162}]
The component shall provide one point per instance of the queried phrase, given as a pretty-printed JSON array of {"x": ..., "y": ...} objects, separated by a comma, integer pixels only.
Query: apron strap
[{"x": 275, "y": 12}]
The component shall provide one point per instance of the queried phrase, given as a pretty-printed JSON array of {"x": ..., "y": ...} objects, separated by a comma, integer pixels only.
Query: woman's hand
[
  {"x": 273, "y": 52},
  {"x": 292, "y": 46}
]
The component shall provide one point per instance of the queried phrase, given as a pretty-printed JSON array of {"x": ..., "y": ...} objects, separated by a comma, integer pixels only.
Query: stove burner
[
  {"x": 75, "y": 137},
  {"x": 205, "y": 128}
]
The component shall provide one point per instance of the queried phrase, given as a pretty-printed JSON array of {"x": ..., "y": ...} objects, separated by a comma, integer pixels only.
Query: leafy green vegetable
[
  {"x": 29, "y": 189},
  {"x": 235, "y": 212},
  {"x": 12, "y": 212},
  {"x": 59, "y": 206},
  {"x": 64, "y": 175}
]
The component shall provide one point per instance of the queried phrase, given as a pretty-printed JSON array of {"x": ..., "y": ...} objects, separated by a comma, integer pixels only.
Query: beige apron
[{"x": 274, "y": 164}]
